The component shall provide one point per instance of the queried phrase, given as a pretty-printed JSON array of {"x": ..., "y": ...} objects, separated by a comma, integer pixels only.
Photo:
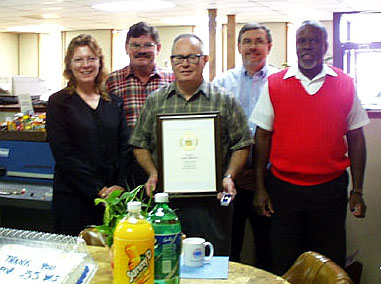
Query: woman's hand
[{"x": 106, "y": 191}]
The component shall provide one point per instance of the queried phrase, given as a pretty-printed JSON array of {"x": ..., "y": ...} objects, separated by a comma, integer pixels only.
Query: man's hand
[
  {"x": 262, "y": 203},
  {"x": 229, "y": 187},
  {"x": 151, "y": 183},
  {"x": 106, "y": 191},
  {"x": 357, "y": 205}
]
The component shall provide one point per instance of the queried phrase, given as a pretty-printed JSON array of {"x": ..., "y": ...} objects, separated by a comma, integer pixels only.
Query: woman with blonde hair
[{"x": 88, "y": 135}]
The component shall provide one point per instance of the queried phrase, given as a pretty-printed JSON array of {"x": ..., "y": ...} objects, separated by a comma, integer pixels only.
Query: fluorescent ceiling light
[
  {"x": 52, "y": 2},
  {"x": 51, "y": 16},
  {"x": 52, "y": 9},
  {"x": 46, "y": 28},
  {"x": 133, "y": 6}
]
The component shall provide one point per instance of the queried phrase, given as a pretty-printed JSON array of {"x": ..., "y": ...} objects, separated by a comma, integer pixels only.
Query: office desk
[{"x": 238, "y": 273}]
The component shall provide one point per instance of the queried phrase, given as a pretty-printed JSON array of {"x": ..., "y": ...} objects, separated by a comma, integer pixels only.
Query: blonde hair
[{"x": 89, "y": 41}]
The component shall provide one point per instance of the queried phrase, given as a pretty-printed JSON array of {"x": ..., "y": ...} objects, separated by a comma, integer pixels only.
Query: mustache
[
  {"x": 142, "y": 55},
  {"x": 252, "y": 52}
]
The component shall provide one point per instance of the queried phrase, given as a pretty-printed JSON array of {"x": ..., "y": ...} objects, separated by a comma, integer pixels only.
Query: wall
[
  {"x": 9, "y": 58},
  {"x": 329, "y": 26},
  {"x": 278, "y": 53},
  {"x": 364, "y": 234},
  {"x": 29, "y": 55},
  {"x": 167, "y": 35}
]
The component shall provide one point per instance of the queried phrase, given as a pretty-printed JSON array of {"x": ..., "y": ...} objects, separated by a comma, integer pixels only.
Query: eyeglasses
[
  {"x": 192, "y": 58},
  {"x": 80, "y": 60},
  {"x": 146, "y": 45},
  {"x": 257, "y": 42}
]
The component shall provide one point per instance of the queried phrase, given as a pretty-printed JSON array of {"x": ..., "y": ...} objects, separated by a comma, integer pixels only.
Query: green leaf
[
  {"x": 99, "y": 200},
  {"x": 104, "y": 229},
  {"x": 106, "y": 216},
  {"x": 113, "y": 195},
  {"x": 116, "y": 209}
]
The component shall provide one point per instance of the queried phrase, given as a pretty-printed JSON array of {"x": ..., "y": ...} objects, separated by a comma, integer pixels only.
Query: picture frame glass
[{"x": 188, "y": 154}]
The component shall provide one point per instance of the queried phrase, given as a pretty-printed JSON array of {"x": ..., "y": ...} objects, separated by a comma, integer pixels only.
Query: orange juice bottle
[{"x": 134, "y": 240}]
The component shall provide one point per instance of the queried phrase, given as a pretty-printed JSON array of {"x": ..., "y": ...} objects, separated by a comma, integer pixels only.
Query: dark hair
[
  {"x": 189, "y": 35},
  {"x": 89, "y": 41},
  {"x": 315, "y": 24},
  {"x": 143, "y": 28},
  {"x": 255, "y": 26}
]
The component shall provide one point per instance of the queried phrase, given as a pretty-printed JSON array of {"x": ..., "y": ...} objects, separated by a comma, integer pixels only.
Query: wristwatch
[{"x": 228, "y": 176}]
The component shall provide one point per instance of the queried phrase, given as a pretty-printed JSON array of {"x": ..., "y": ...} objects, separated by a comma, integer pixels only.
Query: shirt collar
[
  {"x": 130, "y": 71},
  {"x": 202, "y": 89},
  {"x": 295, "y": 72},
  {"x": 260, "y": 73}
]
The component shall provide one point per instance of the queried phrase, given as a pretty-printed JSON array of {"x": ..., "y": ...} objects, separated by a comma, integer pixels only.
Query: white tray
[{"x": 35, "y": 257}]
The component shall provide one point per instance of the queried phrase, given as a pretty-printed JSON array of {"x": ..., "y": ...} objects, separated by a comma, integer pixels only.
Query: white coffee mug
[{"x": 194, "y": 251}]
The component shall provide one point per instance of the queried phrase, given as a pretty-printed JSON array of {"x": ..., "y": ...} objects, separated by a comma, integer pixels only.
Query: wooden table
[{"x": 238, "y": 273}]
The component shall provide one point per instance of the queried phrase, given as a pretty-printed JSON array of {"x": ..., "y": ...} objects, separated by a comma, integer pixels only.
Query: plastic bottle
[
  {"x": 168, "y": 241},
  {"x": 133, "y": 248}
]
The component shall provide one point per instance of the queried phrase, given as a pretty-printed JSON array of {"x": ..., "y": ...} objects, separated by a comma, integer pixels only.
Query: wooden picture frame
[{"x": 189, "y": 153}]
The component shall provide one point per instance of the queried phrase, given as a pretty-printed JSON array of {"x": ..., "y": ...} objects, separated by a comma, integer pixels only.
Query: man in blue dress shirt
[{"x": 246, "y": 83}]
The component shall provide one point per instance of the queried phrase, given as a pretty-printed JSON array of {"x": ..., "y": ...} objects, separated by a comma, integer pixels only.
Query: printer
[{"x": 26, "y": 178}]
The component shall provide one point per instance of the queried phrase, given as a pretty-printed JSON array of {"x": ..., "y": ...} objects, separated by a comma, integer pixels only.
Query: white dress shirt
[{"x": 263, "y": 114}]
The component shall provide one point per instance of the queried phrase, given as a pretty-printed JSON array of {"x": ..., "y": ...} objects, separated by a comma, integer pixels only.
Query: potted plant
[{"x": 116, "y": 209}]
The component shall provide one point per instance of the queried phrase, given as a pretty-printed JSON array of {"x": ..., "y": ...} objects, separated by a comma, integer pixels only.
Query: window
[{"x": 357, "y": 50}]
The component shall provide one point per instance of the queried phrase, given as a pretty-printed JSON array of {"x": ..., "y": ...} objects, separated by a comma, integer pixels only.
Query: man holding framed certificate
[{"x": 199, "y": 215}]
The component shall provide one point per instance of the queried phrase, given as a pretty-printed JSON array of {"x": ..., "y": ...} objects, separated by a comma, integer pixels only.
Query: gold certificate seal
[{"x": 188, "y": 141}]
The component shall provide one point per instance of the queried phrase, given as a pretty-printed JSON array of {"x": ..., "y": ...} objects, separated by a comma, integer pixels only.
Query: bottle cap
[
  {"x": 134, "y": 206},
  {"x": 161, "y": 197}
]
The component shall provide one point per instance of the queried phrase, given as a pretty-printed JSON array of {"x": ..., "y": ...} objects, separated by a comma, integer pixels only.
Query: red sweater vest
[{"x": 308, "y": 141}]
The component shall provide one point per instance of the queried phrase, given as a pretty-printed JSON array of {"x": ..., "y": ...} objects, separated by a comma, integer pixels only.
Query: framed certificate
[{"x": 189, "y": 155}]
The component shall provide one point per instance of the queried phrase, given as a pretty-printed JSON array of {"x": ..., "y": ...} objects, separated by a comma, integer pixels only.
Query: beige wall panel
[
  {"x": 167, "y": 35},
  {"x": 329, "y": 26},
  {"x": 278, "y": 53},
  {"x": 28, "y": 55},
  {"x": 364, "y": 234},
  {"x": 9, "y": 54},
  {"x": 103, "y": 38}
]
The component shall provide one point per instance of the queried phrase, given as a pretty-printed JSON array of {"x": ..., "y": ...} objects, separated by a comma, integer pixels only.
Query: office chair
[{"x": 314, "y": 268}]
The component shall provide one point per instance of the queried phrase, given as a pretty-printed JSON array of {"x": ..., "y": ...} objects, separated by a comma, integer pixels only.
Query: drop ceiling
[{"x": 78, "y": 14}]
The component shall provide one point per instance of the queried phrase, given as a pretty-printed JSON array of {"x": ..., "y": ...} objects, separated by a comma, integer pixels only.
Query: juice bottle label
[
  {"x": 133, "y": 261},
  {"x": 167, "y": 252}
]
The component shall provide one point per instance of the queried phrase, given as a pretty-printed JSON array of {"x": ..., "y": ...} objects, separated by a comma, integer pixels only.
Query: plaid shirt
[
  {"x": 123, "y": 83},
  {"x": 235, "y": 133}
]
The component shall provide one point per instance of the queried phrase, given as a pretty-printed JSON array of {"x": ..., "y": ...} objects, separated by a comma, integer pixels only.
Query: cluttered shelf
[
  {"x": 16, "y": 107},
  {"x": 14, "y": 135},
  {"x": 24, "y": 127}
]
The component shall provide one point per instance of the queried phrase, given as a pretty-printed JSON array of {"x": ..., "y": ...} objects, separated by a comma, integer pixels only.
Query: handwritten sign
[
  {"x": 25, "y": 102},
  {"x": 23, "y": 264}
]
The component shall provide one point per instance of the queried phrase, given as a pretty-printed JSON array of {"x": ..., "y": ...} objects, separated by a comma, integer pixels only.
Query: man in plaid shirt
[{"x": 136, "y": 81}]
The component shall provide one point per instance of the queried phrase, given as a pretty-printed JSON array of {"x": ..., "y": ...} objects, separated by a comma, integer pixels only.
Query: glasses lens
[
  {"x": 135, "y": 45},
  {"x": 193, "y": 58},
  {"x": 89, "y": 60},
  {"x": 177, "y": 59},
  {"x": 257, "y": 42},
  {"x": 147, "y": 45}
]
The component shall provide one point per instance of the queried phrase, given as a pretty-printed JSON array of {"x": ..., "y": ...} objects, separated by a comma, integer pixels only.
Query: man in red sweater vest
[{"x": 310, "y": 130}]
